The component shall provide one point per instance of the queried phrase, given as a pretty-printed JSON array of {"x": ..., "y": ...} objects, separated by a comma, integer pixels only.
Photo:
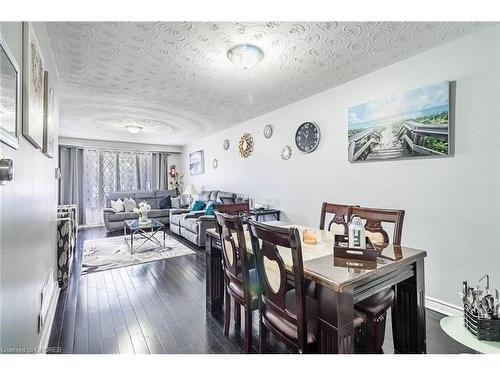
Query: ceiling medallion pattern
[
  {"x": 178, "y": 72},
  {"x": 121, "y": 122},
  {"x": 246, "y": 145}
]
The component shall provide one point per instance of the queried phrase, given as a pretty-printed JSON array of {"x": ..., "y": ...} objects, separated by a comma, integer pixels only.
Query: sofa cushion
[
  {"x": 129, "y": 204},
  {"x": 213, "y": 195},
  {"x": 190, "y": 224},
  {"x": 117, "y": 195},
  {"x": 121, "y": 216},
  {"x": 158, "y": 213},
  {"x": 117, "y": 205},
  {"x": 164, "y": 193},
  {"x": 204, "y": 196},
  {"x": 177, "y": 219},
  {"x": 146, "y": 196}
]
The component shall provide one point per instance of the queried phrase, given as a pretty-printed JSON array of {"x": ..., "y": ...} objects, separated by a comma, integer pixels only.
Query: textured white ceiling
[{"x": 175, "y": 80}]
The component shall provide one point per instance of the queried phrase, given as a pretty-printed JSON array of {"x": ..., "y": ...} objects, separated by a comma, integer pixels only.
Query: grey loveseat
[
  {"x": 192, "y": 225},
  {"x": 115, "y": 220}
]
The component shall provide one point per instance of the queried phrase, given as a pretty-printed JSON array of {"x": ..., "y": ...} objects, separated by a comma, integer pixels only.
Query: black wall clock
[{"x": 307, "y": 137}]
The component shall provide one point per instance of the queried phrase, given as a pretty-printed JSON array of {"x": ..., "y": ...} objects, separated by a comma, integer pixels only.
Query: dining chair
[
  {"x": 240, "y": 281},
  {"x": 375, "y": 307},
  {"x": 233, "y": 208},
  {"x": 243, "y": 210},
  {"x": 287, "y": 313},
  {"x": 341, "y": 214}
]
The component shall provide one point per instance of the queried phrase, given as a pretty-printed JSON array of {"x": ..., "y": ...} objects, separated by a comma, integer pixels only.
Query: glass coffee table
[{"x": 145, "y": 231}]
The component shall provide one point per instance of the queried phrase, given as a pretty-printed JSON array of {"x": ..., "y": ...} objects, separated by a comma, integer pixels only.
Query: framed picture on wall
[
  {"x": 196, "y": 165},
  {"x": 34, "y": 88},
  {"x": 49, "y": 118},
  {"x": 10, "y": 95},
  {"x": 410, "y": 124}
]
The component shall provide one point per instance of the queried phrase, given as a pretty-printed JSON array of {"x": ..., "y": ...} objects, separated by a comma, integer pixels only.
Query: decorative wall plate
[
  {"x": 286, "y": 152},
  {"x": 215, "y": 163},
  {"x": 246, "y": 145},
  {"x": 226, "y": 144},
  {"x": 268, "y": 131},
  {"x": 307, "y": 137}
]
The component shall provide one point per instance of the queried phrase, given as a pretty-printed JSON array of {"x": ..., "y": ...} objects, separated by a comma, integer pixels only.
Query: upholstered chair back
[
  {"x": 234, "y": 250},
  {"x": 375, "y": 219},
  {"x": 270, "y": 244},
  {"x": 341, "y": 214}
]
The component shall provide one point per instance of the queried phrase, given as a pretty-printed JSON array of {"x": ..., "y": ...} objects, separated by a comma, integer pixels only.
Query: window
[{"x": 108, "y": 171}]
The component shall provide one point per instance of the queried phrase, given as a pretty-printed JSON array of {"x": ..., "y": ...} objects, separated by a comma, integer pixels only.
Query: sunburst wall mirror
[{"x": 246, "y": 145}]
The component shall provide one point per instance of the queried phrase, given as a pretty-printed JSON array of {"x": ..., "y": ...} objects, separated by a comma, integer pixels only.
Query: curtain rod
[{"x": 118, "y": 149}]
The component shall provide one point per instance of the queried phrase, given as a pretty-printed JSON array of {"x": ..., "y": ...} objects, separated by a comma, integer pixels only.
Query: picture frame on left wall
[
  {"x": 10, "y": 95},
  {"x": 196, "y": 165},
  {"x": 33, "y": 93},
  {"x": 49, "y": 117}
]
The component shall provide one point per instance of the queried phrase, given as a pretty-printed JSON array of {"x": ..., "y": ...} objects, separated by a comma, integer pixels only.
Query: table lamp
[{"x": 190, "y": 190}]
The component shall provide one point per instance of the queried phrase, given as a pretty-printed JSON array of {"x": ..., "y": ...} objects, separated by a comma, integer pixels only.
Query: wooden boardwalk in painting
[{"x": 382, "y": 143}]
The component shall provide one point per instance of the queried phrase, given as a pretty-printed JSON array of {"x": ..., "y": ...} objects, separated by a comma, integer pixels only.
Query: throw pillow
[
  {"x": 198, "y": 206},
  {"x": 118, "y": 205},
  {"x": 166, "y": 203},
  {"x": 227, "y": 200},
  {"x": 210, "y": 209},
  {"x": 176, "y": 202},
  {"x": 129, "y": 204}
]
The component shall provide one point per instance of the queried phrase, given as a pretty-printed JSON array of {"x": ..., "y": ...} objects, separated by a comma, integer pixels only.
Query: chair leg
[
  {"x": 227, "y": 313},
  {"x": 248, "y": 330},
  {"x": 263, "y": 337},
  {"x": 237, "y": 313}
]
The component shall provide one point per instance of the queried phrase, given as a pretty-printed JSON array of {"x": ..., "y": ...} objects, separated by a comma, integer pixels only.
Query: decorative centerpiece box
[
  {"x": 341, "y": 249},
  {"x": 481, "y": 310}
]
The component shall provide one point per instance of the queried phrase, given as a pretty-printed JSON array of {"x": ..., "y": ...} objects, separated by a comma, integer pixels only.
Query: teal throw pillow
[
  {"x": 198, "y": 206},
  {"x": 210, "y": 209}
]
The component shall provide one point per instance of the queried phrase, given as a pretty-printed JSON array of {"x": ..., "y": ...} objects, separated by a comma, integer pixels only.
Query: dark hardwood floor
[{"x": 159, "y": 307}]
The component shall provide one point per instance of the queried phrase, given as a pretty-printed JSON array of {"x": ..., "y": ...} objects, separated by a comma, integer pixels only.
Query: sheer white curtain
[{"x": 108, "y": 171}]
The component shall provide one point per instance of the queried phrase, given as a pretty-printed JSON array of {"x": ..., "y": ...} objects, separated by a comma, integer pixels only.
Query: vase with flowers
[
  {"x": 175, "y": 179},
  {"x": 143, "y": 211}
]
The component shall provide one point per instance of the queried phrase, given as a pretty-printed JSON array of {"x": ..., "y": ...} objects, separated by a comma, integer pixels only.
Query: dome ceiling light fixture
[
  {"x": 133, "y": 129},
  {"x": 245, "y": 56}
]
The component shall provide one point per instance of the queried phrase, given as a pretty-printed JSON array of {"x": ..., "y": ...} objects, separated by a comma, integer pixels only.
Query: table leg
[
  {"x": 408, "y": 313},
  {"x": 335, "y": 321},
  {"x": 214, "y": 277}
]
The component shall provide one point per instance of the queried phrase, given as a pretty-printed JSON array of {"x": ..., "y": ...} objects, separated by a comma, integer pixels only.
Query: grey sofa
[
  {"x": 115, "y": 220},
  {"x": 192, "y": 225}
]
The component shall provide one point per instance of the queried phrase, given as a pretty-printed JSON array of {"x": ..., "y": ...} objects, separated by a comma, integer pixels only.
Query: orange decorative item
[{"x": 309, "y": 237}]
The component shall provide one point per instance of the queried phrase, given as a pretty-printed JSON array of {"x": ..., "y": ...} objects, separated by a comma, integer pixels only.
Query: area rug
[{"x": 112, "y": 252}]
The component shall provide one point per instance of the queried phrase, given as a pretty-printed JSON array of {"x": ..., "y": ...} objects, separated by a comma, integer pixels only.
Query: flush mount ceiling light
[
  {"x": 245, "y": 56},
  {"x": 133, "y": 129}
]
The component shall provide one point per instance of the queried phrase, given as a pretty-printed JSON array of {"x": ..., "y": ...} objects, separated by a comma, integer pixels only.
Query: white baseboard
[
  {"x": 443, "y": 307},
  {"x": 44, "y": 339}
]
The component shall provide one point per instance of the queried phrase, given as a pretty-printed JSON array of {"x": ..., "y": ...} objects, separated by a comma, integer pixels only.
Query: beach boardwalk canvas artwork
[{"x": 411, "y": 124}]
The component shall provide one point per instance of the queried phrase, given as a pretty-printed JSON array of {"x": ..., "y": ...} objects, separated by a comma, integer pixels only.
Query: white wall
[
  {"x": 452, "y": 204},
  {"x": 27, "y": 219}
]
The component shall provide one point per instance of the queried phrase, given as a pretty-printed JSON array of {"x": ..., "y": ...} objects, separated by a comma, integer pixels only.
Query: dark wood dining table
[{"x": 341, "y": 283}]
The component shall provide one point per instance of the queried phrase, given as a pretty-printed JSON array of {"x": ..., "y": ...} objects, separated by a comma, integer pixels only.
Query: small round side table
[{"x": 454, "y": 327}]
